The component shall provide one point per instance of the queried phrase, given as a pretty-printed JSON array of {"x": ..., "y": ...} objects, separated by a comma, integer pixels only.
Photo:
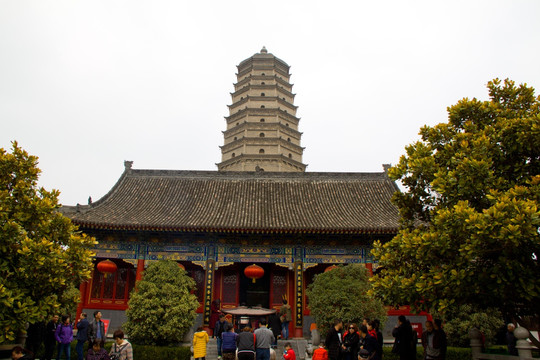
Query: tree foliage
[
  {"x": 42, "y": 255},
  {"x": 162, "y": 306},
  {"x": 470, "y": 215},
  {"x": 460, "y": 319},
  {"x": 342, "y": 293}
]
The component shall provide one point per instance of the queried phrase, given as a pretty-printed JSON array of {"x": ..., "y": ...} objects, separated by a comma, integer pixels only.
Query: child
[
  {"x": 320, "y": 353},
  {"x": 289, "y": 354},
  {"x": 200, "y": 339},
  {"x": 97, "y": 352}
]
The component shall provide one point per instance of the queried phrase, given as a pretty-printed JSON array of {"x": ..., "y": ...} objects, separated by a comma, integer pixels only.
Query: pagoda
[{"x": 262, "y": 127}]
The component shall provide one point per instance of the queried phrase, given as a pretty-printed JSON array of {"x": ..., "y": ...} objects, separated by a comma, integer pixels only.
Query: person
[
  {"x": 82, "y": 335},
  {"x": 320, "y": 353},
  {"x": 49, "y": 339},
  {"x": 19, "y": 353},
  {"x": 245, "y": 343},
  {"x": 215, "y": 312},
  {"x": 220, "y": 326},
  {"x": 369, "y": 342},
  {"x": 351, "y": 341},
  {"x": 285, "y": 316},
  {"x": 121, "y": 348},
  {"x": 64, "y": 337},
  {"x": 371, "y": 329},
  {"x": 35, "y": 336},
  {"x": 403, "y": 334},
  {"x": 96, "y": 329},
  {"x": 228, "y": 346},
  {"x": 376, "y": 323},
  {"x": 288, "y": 353},
  {"x": 97, "y": 352},
  {"x": 200, "y": 340},
  {"x": 431, "y": 341},
  {"x": 333, "y": 340},
  {"x": 437, "y": 325},
  {"x": 511, "y": 340},
  {"x": 275, "y": 325},
  {"x": 263, "y": 339}
]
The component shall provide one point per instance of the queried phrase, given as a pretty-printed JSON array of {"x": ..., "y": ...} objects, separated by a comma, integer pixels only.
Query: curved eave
[{"x": 145, "y": 227}]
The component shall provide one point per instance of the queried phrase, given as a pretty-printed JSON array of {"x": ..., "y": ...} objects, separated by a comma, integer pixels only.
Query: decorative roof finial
[
  {"x": 128, "y": 165},
  {"x": 263, "y": 50}
]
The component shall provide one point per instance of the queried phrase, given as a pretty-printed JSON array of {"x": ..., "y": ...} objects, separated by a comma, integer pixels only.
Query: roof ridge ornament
[
  {"x": 127, "y": 165},
  {"x": 263, "y": 50}
]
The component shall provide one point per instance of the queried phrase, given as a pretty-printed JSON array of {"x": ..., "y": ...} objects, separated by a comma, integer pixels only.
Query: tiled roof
[{"x": 169, "y": 200}]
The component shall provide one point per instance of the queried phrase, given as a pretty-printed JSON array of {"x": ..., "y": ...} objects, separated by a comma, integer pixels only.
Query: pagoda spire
[{"x": 262, "y": 127}]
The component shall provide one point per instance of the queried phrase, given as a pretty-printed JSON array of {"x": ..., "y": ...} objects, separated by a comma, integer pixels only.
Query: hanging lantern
[
  {"x": 106, "y": 267},
  {"x": 254, "y": 272},
  {"x": 331, "y": 267}
]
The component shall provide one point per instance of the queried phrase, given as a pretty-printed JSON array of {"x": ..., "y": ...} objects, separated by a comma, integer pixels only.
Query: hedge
[{"x": 452, "y": 353}]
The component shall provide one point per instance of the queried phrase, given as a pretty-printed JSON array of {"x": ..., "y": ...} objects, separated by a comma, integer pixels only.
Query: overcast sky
[{"x": 85, "y": 85}]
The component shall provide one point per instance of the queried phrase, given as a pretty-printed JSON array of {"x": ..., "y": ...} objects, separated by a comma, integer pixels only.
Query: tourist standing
[
  {"x": 289, "y": 354},
  {"x": 215, "y": 312},
  {"x": 245, "y": 343},
  {"x": 49, "y": 338},
  {"x": 431, "y": 341},
  {"x": 350, "y": 345},
  {"x": 121, "y": 349},
  {"x": 403, "y": 344},
  {"x": 97, "y": 352},
  {"x": 64, "y": 337},
  {"x": 320, "y": 353},
  {"x": 333, "y": 340},
  {"x": 200, "y": 340},
  {"x": 228, "y": 345},
  {"x": 96, "y": 329},
  {"x": 285, "y": 316},
  {"x": 221, "y": 326},
  {"x": 82, "y": 335},
  {"x": 376, "y": 324},
  {"x": 263, "y": 340},
  {"x": 437, "y": 325},
  {"x": 369, "y": 342}
]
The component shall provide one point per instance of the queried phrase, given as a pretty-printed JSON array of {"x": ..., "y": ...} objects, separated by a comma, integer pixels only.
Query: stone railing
[{"x": 523, "y": 346}]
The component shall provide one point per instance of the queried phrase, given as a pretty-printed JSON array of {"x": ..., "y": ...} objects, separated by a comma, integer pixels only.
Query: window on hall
[
  {"x": 261, "y": 135},
  {"x": 261, "y": 151},
  {"x": 262, "y": 120},
  {"x": 115, "y": 286},
  {"x": 262, "y": 94},
  {"x": 262, "y": 106},
  {"x": 230, "y": 284},
  {"x": 197, "y": 274},
  {"x": 279, "y": 285}
]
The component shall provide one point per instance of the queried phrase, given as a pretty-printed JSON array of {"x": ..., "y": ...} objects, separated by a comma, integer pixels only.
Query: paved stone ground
[{"x": 299, "y": 347}]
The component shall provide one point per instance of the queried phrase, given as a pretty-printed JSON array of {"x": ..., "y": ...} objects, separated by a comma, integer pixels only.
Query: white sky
[{"x": 85, "y": 85}]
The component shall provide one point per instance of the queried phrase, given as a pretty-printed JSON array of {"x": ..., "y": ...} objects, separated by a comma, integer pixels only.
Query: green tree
[
  {"x": 342, "y": 293},
  {"x": 42, "y": 255},
  {"x": 460, "y": 319},
  {"x": 470, "y": 215},
  {"x": 162, "y": 306}
]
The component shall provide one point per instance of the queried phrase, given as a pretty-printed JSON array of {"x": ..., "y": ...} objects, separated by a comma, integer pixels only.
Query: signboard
[{"x": 418, "y": 328}]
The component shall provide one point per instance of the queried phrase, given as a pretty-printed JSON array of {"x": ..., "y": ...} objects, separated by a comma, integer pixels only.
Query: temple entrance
[{"x": 255, "y": 293}]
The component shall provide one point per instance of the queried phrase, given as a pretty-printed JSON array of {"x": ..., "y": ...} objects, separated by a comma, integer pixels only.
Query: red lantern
[
  {"x": 331, "y": 267},
  {"x": 254, "y": 272},
  {"x": 106, "y": 267}
]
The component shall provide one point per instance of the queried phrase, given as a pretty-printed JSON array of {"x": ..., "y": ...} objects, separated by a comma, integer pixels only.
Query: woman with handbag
[
  {"x": 121, "y": 349},
  {"x": 350, "y": 343}
]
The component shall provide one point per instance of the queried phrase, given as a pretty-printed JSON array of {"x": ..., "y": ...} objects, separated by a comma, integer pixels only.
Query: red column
[
  {"x": 140, "y": 269},
  {"x": 82, "y": 289}
]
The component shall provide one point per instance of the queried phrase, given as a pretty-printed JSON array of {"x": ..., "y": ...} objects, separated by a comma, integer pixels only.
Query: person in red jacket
[
  {"x": 320, "y": 353},
  {"x": 289, "y": 352}
]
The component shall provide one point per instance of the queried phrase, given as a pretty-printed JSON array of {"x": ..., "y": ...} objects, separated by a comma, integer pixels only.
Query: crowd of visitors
[{"x": 58, "y": 333}]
